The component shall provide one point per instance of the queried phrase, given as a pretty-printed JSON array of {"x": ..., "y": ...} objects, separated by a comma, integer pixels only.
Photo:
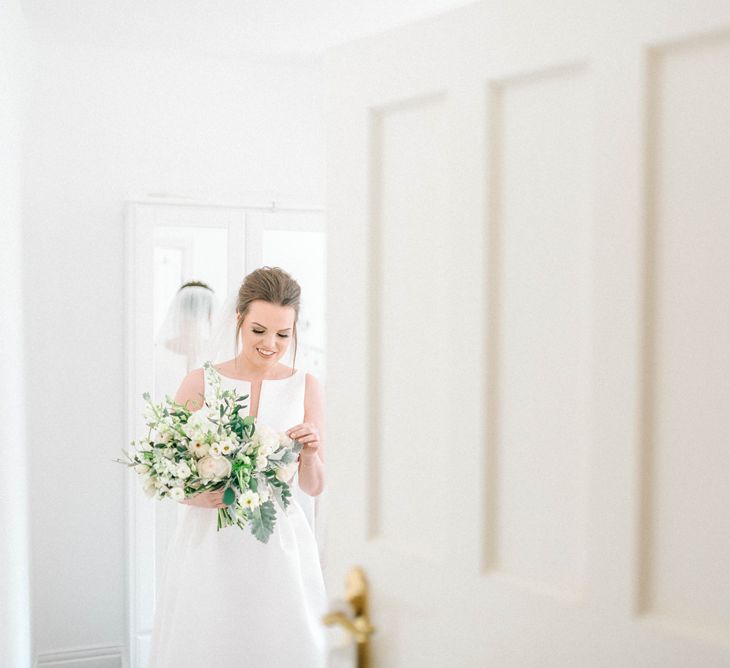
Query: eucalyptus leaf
[
  {"x": 287, "y": 457},
  {"x": 264, "y": 518}
]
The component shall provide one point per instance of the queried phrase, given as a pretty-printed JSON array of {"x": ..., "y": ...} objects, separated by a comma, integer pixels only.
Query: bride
[{"x": 227, "y": 599}]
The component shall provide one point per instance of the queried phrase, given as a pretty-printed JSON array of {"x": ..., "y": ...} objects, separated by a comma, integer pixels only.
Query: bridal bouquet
[{"x": 215, "y": 448}]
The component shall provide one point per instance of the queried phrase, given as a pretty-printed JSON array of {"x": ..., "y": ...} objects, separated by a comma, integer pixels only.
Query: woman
[{"x": 227, "y": 599}]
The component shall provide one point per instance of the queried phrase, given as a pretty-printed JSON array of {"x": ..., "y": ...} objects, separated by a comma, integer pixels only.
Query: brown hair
[{"x": 273, "y": 285}]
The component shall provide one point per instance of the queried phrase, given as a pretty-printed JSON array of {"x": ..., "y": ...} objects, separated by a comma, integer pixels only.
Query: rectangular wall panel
[
  {"x": 685, "y": 558},
  {"x": 410, "y": 218},
  {"x": 540, "y": 276}
]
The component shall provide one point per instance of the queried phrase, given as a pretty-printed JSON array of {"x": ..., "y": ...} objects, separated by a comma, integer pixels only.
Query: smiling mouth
[{"x": 265, "y": 354}]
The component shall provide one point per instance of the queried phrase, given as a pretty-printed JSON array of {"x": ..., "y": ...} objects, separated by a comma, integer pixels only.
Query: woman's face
[{"x": 266, "y": 332}]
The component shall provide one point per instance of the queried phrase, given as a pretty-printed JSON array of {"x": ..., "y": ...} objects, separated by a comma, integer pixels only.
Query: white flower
[
  {"x": 268, "y": 438},
  {"x": 212, "y": 414},
  {"x": 249, "y": 499},
  {"x": 215, "y": 450},
  {"x": 261, "y": 462},
  {"x": 227, "y": 446},
  {"x": 149, "y": 487},
  {"x": 183, "y": 470},
  {"x": 177, "y": 493},
  {"x": 286, "y": 472},
  {"x": 141, "y": 468},
  {"x": 197, "y": 426},
  {"x": 164, "y": 431},
  {"x": 198, "y": 448},
  {"x": 214, "y": 467}
]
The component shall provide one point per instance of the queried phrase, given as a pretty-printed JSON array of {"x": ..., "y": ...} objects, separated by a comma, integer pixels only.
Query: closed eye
[{"x": 261, "y": 331}]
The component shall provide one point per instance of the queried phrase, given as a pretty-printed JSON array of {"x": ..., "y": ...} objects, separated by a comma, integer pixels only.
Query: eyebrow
[{"x": 264, "y": 326}]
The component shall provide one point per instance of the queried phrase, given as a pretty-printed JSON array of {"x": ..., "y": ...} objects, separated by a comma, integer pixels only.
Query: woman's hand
[
  {"x": 308, "y": 434},
  {"x": 212, "y": 499}
]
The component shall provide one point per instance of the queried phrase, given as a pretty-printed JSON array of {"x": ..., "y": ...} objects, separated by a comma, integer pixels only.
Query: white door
[{"x": 528, "y": 218}]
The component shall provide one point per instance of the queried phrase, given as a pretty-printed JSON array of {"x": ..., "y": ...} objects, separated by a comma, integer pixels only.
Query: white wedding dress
[{"x": 226, "y": 599}]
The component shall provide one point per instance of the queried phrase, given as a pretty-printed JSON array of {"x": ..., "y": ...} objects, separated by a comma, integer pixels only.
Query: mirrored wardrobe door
[{"x": 184, "y": 260}]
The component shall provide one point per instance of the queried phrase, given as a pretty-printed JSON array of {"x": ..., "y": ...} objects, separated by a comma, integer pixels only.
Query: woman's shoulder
[
  {"x": 192, "y": 390},
  {"x": 311, "y": 378}
]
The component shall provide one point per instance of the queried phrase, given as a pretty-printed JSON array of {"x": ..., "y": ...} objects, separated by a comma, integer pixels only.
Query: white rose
[
  {"x": 214, "y": 467},
  {"x": 286, "y": 472},
  {"x": 177, "y": 494},
  {"x": 261, "y": 462},
  {"x": 268, "y": 438},
  {"x": 183, "y": 470},
  {"x": 149, "y": 487},
  {"x": 141, "y": 468}
]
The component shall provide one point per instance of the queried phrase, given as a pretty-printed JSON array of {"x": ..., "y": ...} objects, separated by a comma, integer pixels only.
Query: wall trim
[{"x": 83, "y": 656}]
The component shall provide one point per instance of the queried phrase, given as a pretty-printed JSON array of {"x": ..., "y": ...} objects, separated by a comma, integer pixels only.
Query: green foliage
[
  {"x": 263, "y": 520},
  {"x": 286, "y": 457},
  {"x": 225, "y": 519},
  {"x": 280, "y": 490}
]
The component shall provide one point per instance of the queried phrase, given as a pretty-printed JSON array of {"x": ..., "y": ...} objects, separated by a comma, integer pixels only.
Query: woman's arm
[{"x": 311, "y": 457}]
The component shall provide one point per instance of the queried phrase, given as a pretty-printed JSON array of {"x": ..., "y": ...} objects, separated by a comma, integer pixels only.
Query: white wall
[
  {"x": 103, "y": 122},
  {"x": 14, "y": 577}
]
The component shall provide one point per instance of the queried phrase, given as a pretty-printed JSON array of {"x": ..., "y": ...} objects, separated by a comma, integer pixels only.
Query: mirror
[{"x": 169, "y": 245}]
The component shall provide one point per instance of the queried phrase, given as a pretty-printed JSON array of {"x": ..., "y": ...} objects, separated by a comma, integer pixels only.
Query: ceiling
[{"x": 259, "y": 29}]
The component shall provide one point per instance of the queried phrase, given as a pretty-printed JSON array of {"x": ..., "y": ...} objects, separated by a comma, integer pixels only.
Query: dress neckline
[{"x": 263, "y": 380}]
